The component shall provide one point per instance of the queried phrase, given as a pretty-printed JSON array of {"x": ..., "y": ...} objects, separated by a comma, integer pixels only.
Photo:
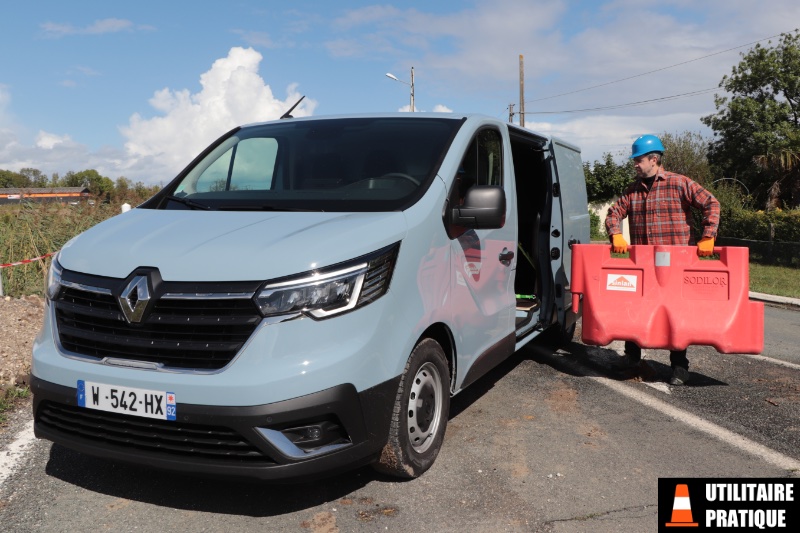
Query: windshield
[{"x": 355, "y": 164}]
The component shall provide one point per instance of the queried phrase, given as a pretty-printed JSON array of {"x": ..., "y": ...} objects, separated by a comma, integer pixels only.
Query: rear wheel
[{"x": 420, "y": 413}]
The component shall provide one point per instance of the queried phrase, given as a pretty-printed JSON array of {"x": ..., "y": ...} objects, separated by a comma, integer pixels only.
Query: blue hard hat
[{"x": 645, "y": 145}]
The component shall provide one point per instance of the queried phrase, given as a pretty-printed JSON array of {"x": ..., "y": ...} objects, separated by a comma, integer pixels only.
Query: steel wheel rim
[{"x": 424, "y": 410}]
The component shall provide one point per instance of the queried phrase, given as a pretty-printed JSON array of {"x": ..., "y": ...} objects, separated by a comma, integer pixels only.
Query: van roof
[{"x": 420, "y": 115}]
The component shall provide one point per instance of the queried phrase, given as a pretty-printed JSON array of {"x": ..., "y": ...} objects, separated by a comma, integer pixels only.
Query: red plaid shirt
[{"x": 663, "y": 214}]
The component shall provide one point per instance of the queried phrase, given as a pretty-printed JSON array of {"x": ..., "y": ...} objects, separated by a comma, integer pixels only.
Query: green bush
[
  {"x": 595, "y": 232},
  {"x": 755, "y": 225},
  {"x": 740, "y": 221}
]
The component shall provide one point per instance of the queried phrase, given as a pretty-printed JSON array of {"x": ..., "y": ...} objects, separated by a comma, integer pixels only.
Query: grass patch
[
  {"x": 11, "y": 397},
  {"x": 31, "y": 230},
  {"x": 775, "y": 280}
]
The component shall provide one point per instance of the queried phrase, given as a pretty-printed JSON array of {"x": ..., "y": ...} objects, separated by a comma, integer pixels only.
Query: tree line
[
  {"x": 755, "y": 148},
  {"x": 101, "y": 187}
]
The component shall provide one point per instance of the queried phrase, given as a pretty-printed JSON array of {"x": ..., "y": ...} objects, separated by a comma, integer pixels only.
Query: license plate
[{"x": 126, "y": 400}]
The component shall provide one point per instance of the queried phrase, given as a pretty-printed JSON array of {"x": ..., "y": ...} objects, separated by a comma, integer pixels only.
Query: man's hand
[
  {"x": 705, "y": 246},
  {"x": 618, "y": 244}
]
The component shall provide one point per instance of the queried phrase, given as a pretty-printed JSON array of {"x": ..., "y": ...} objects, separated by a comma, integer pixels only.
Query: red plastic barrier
[{"x": 667, "y": 297}]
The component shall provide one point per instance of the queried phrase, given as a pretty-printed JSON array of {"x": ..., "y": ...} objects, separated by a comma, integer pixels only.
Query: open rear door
[{"x": 570, "y": 207}]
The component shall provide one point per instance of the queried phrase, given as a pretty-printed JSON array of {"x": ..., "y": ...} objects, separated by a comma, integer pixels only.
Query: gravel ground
[{"x": 20, "y": 321}]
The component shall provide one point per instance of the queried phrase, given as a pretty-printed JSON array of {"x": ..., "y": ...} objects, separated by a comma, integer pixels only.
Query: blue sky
[{"x": 137, "y": 89}]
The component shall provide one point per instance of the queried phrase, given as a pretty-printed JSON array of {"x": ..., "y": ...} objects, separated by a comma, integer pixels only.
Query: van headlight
[
  {"x": 53, "y": 278},
  {"x": 331, "y": 291}
]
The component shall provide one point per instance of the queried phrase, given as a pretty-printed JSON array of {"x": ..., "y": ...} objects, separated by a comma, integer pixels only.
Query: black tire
[{"x": 419, "y": 418}]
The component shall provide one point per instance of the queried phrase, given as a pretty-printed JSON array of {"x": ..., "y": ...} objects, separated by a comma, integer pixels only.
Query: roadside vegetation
[
  {"x": 30, "y": 229},
  {"x": 9, "y": 398},
  {"x": 777, "y": 280}
]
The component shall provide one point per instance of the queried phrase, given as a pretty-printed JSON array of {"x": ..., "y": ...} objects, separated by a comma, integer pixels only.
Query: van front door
[{"x": 482, "y": 266}]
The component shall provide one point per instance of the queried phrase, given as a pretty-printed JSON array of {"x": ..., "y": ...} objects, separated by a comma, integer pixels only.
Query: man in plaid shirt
[{"x": 659, "y": 210}]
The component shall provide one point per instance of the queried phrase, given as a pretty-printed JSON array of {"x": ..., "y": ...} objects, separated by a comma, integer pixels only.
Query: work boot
[{"x": 680, "y": 376}]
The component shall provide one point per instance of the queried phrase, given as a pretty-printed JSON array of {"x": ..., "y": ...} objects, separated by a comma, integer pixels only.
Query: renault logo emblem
[{"x": 134, "y": 299}]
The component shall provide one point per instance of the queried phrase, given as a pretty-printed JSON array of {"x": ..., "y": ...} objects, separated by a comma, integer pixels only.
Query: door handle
[{"x": 506, "y": 256}]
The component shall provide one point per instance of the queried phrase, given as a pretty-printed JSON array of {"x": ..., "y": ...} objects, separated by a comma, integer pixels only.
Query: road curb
[{"x": 761, "y": 297}]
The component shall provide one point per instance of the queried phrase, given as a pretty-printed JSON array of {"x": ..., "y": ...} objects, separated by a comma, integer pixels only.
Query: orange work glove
[
  {"x": 618, "y": 244},
  {"x": 705, "y": 246}
]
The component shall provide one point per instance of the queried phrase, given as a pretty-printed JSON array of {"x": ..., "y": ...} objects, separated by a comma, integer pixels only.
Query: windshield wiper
[
  {"x": 263, "y": 207},
  {"x": 189, "y": 203}
]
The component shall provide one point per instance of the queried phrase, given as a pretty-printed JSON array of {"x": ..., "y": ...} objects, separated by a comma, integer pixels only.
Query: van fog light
[
  {"x": 308, "y": 440},
  {"x": 316, "y": 435}
]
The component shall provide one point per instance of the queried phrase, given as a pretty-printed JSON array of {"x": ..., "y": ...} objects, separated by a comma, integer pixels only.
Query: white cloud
[
  {"x": 232, "y": 93},
  {"x": 475, "y": 48},
  {"x": 5, "y": 99},
  {"x": 182, "y": 124},
  {"x": 50, "y": 153},
  {"x": 48, "y": 141},
  {"x": 257, "y": 38},
  {"x": 597, "y": 135},
  {"x": 439, "y": 108},
  {"x": 110, "y": 25}
]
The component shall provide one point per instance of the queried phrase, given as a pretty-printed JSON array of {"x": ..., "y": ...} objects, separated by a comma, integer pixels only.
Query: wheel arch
[{"x": 444, "y": 336}]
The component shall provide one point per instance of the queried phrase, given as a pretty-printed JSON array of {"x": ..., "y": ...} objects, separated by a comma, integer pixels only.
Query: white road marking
[
  {"x": 769, "y": 360},
  {"x": 759, "y": 450},
  {"x": 15, "y": 452},
  {"x": 660, "y": 387},
  {"x": 769, "y": 455}
]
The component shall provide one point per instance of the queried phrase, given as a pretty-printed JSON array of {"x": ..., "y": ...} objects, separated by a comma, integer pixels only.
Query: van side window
[
  {"x": 482, "y": 163},
  {"x": 248, "y": 165}
]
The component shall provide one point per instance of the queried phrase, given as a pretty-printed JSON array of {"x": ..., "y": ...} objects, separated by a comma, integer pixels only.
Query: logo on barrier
[
  {"x": 622, "y": 282},
  {"x": 719, "y": 281}
]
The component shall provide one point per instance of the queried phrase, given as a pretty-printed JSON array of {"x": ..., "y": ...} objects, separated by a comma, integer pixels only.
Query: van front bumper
[{"x": 312, "y": 436}]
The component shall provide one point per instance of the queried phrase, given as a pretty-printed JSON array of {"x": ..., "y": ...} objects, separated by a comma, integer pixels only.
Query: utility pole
[
  {"x": 412, "y": 89},
  {"x": 511, "y": 113},
  {"x": 521, "y": 91},
  {"x": 395, "y": 78}
]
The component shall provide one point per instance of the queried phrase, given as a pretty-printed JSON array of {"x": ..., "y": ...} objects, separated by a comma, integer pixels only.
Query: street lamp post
[{"x": 395, "y": 78}]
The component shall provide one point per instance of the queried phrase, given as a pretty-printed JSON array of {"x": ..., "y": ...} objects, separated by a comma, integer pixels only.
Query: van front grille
[{"x": 194, "y": 333}]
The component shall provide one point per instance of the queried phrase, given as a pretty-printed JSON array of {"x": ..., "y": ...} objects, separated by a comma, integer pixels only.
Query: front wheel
[{"x": 420, "y": 414}]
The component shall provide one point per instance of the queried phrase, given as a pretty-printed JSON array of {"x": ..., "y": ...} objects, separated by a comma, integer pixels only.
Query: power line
[
  {"x": 652, "y": 71},
  {"x": 620, "y": 106}
]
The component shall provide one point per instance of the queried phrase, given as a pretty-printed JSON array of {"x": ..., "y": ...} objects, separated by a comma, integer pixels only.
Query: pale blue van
[{"x": 308, "y": 294}]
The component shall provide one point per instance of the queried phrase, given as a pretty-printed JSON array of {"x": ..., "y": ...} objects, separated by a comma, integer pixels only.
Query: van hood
[{"x": 228, "y": 246}]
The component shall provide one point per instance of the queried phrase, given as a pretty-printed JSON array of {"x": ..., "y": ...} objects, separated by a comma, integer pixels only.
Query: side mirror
[{"x": 484, "y": 207}]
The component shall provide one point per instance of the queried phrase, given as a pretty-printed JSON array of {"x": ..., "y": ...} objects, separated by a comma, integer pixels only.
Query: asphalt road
[
  {"x": 559, "y": 441},
  {"x": 783, "y": 327}
]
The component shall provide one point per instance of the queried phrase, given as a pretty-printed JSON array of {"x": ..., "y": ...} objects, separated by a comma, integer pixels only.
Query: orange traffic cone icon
[{"x": 682, "y": 508}]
